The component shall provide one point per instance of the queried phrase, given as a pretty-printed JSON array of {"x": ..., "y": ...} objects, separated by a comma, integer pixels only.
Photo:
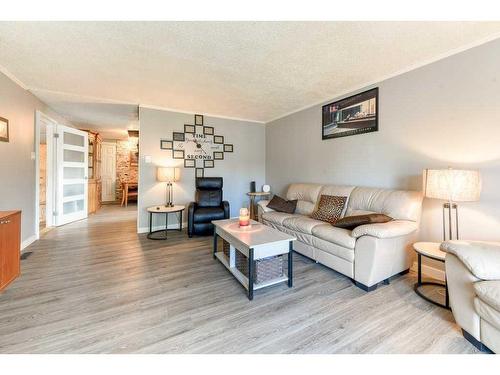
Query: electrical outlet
[{"x": 147, "y": 159}]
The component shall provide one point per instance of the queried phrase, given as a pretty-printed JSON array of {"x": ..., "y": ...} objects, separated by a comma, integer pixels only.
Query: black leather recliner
[{"x": 208, "y": 206}]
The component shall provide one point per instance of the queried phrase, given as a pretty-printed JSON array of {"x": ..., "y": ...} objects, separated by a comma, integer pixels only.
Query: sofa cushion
[
  {"x": 277, "y": 217},
  {"x": 488, "y": 313},
  {"x": 282, "y": 205},
  {"x": 335, "y": 235},
  {"x": 391, "y": 229},
  {"x": 338, "y": 190},
  {"x": 489, "y": 292},
  {"x": 306, "y": 194},
  {"x": 351, "y": 222},
  {"x": 330, "y": 208},
  {"x": 301, "y": 224},
  {"x": 398, "y": 204},
  {"x": 480, "y": 257}
]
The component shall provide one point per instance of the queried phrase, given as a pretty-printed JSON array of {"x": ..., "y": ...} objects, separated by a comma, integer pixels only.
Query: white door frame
[
  {"x": 49, "y": 200},
  {"x": 102, "y": 162}
]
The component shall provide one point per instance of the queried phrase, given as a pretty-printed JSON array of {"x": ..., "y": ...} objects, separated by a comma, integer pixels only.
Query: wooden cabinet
[
  {"x": 10, "y": 246},
  {"x": 95, "y": 184}
]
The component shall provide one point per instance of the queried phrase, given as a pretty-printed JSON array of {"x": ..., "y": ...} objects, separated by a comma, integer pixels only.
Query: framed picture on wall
[
  {"x": 179, "y": 137},
  {"x": 208, "y": 163},
  {"x": 178, "y": 154},
  {"x": 4, "y": 130},
  {"x": 198, "y": 119},
  {"x": 189, "y": 163},
  {"x": 228, "y": 148},
  {"x": 189, "y": 128},
  {"x": 166, "y": 145},
  {"x": 219, "y": 139},
  {"x": 199, "y": 172},
  {"x": 218, "y": 155},
  {"x": 208, "y": 130},
  {"x": 357, "y": 114}
]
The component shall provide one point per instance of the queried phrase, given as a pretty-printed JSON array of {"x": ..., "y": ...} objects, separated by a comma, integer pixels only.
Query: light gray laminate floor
[{"x": 95, "y": 286}]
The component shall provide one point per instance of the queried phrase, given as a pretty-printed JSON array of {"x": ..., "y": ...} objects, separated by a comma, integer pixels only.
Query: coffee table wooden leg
[
  {"x": 290, "y": 264},
  {"x": 251, "y": 264}
]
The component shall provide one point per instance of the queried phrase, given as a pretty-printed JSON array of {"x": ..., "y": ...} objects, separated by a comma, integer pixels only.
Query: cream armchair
[{"x": 473, "y": 276}]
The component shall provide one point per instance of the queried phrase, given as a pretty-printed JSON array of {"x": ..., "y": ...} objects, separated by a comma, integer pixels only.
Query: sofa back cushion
[
  {"x": 306, "y": 195},
  {"x": 339, "y": 191},
  {"x": 398, "y": 204}
]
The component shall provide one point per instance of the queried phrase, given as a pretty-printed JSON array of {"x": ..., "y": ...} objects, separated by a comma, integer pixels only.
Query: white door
[
  {"x": 108, "y": 171},
  {"x": 71, "y": 162}
]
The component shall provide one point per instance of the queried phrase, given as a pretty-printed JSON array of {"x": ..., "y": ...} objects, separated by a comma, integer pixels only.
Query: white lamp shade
[
  {"x": 167, "y": 174},
  {"x": 454, "y": 185}
]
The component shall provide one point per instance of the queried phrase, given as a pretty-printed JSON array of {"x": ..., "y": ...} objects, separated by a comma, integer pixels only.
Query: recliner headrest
[{"x": 209, "y": 183}]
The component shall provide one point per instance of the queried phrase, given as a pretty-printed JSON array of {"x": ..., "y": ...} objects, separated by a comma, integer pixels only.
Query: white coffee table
[{"x": 257, "y": 241}]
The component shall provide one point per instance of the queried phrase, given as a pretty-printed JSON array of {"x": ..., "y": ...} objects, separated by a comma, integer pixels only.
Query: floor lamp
[
  {"x": 168, "y": 175},
  {"x": 452, "y": 185}
]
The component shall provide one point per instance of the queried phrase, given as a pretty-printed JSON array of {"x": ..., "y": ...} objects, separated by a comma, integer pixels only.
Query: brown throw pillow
[
  {"x": 282, "y": 205},
  {"x": 351, "y": 222},
  {"x": 329, "y": 208}
]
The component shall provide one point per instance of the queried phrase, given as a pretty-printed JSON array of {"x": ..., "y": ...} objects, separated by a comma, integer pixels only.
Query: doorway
[
  {"x": 61, "y": 155},
  {"x": 108, "y": 171}
]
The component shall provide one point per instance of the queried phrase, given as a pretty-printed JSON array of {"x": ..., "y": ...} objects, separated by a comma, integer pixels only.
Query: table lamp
[
  {"x": 168, "y": 175},
  {"x": 452, "y": 185}
]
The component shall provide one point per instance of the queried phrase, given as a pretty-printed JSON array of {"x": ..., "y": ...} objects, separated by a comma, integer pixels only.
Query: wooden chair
[{"x": 129, "y": 190}]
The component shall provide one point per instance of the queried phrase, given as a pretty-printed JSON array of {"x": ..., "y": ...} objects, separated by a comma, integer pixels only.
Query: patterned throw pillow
[
  {"x": 330, "y": 208},
  {"x": 351, "y": 222},
  {"x": 282, "y": 205}
]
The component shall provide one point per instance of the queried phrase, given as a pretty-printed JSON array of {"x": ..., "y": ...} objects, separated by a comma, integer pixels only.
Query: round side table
[
  {"x": 252, "y": 196},
  {"x": 430, "y": 250},
  {"x": 162, "y": 209}
]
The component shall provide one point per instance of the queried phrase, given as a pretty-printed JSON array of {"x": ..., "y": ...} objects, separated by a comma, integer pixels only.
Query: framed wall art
[
  {"x": 178, "y": 154},
  {"x": 166, "y": 145},
  {"x": 4, "y": 130},
  {"x": 189, "y": 163},
  {"x": 357, "y": 114},
  {"x": 198, "y": 119}
]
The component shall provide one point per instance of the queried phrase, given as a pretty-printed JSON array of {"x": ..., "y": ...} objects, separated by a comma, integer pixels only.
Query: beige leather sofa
[
  {"x": 370, "y": 253},
  {"x": 473, "y": 276}
]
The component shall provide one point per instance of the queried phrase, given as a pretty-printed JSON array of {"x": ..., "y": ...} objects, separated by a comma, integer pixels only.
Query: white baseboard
[
  {"x": 429, "y": 271},
  {"x": 28, "y": 241},
  {"x": 160, "y": 227}
]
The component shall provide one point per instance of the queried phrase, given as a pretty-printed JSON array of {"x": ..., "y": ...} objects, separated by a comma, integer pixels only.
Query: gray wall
[
  {"x": 17, "y": 170},
  {"x": 443, "y": 114},
  {"x": 245, "y": 164}
]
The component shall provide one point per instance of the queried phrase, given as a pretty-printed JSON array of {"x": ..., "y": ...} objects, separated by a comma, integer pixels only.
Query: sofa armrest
[
  {"x": 261, "y": 208},
  {"x": 481, "y": 258},
  {"x": 262, "y": 205},
  {"x": 391, "y": 229}
]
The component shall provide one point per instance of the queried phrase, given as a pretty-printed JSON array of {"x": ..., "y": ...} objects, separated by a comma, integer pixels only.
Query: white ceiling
[{"x": 248, "y": 70}]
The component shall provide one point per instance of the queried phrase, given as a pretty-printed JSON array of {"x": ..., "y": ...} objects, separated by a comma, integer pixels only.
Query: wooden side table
[
  {"x": 430, "y": 250},
  {"x": 252, "y": 196}
]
